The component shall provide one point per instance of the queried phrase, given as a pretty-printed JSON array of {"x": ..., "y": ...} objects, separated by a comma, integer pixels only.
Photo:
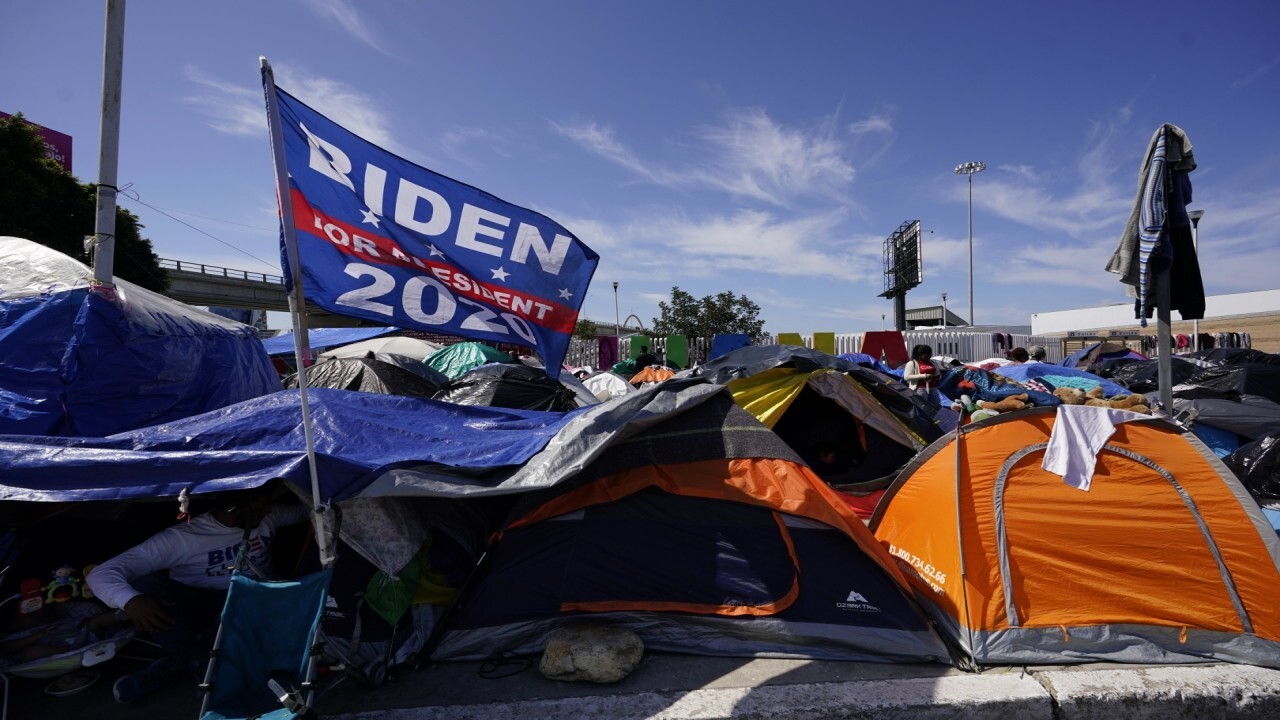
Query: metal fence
[
  {"x": 967, "y": 346},
  {"x": 202, "y": 269}
]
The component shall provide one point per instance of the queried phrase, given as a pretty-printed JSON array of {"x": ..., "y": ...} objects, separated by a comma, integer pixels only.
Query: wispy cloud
[
  {"x": 808, "y": 246},
  {"x": 343, "y": 13},
  {"x": 238, "y": 109},
  {"x": 1259, "y": 72},
  {"x": 228, "y": 108},
  {"x": 754, "y": 156},
  {"x": 749, "y": 155},
  {"x": 600, "y": 140},
  {"x": 873, "y": 136},
  {"x": 456, "y": 142},
  {"x": 1079, "y": 204}
]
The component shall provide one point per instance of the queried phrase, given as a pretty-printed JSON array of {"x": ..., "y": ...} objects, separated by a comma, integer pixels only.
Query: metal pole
[
  {"x": 1164, "y": 341},
  {"x": 969, "y": 169},
  {"x": 1195, "y": 216},
  {"x": 944, "y": 310},
  {"x": 617, "y": 324},
  {"x": 104, "y": 230},
  {"x": 971, "y": 315}
]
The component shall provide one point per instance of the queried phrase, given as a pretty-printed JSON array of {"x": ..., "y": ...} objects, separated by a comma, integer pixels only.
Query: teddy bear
[
  {"x": 1013, "y": 402},
  {"x": 1124, "y": 402},
  {"x": 1096, "y": 402},
  {"x": 1135, "y": 403},
  {"x": 1096, "y": 393},
  {"x": 1070, "y": 395}
]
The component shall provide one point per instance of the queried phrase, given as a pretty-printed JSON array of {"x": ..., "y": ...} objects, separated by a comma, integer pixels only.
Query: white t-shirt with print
[{"x": 198, "y": 554}]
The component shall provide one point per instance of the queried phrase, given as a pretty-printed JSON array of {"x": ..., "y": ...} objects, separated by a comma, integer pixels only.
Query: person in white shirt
[{"x": 173, "y": 585}]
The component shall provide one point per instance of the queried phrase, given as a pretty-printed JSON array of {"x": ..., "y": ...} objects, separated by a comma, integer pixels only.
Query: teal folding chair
[{"x": 263, "y": 661}]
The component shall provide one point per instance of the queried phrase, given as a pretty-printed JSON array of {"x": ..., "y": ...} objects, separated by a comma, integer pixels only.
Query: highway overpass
[{"x": 213, "y": 286}]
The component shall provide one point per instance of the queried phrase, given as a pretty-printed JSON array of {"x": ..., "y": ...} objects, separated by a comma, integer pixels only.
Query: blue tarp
[
  {"x": 76, "y": 362},
  {"x": 324, "y": 338},
  {"x": 867, "y": 361},
  {"x": 246, "y": 444},
  {"x": 407, "y": 446}
]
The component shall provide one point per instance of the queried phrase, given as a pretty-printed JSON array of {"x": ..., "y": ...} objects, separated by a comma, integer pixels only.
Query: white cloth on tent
[
  {"x": 1078, "y": 435},
  {"x": 395, "y": 345}
]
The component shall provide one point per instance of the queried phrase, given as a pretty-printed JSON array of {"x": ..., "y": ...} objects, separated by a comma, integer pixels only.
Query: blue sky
[{"x": 762, "y": 148}]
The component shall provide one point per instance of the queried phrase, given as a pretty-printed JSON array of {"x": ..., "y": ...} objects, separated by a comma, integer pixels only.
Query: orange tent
[
  {"x": 1165, "y": 558},
  {"x": 652, "y": 374}
]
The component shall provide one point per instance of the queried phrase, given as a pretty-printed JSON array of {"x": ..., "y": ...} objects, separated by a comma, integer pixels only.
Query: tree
[
  {"x": 585, "y": 330},
  {"x": 45, "y": 204},
  {"x": 714, "y": 314}
]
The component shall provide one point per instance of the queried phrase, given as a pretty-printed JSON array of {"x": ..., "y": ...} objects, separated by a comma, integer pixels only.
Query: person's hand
[{"x": 148, "y": 613}]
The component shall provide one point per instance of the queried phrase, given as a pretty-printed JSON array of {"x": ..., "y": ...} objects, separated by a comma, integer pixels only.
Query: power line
[{"x": 128, "y": 192}]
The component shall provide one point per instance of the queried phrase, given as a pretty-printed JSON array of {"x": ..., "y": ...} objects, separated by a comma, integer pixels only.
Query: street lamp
[
  {"x": 944, "y": 310},
  {"x": 969, "y": 169},
  {"x": 1195, "y": 216},
  {"x": 617, "y": 325}
]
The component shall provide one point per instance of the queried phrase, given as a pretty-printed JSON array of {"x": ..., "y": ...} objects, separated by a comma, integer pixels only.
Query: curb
[{"x": 1168, "y": 692}]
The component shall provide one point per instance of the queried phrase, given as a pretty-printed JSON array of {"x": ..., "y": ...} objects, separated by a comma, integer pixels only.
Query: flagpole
[{"x": 296, "y": 297}]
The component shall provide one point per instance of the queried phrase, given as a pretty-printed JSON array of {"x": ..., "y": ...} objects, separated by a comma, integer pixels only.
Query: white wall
[{"x": 1108, "y": 316}]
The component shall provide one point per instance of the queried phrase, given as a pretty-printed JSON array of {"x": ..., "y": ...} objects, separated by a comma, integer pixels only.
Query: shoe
[{"x": 135, "y": 686}]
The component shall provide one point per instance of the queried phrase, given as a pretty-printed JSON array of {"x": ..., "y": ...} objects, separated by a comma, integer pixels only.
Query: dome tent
[
  {"x": 1017, "y": 566},
  {"x": 365, "y": 375},
  {"x": 458, "y": 358}
]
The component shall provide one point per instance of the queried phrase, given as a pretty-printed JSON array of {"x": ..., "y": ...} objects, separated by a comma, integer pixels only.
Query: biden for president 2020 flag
[{"x": 383, "y": 239}]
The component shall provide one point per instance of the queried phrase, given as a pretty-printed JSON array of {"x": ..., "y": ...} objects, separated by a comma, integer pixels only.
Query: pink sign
[{"x": 57, "y": 145}]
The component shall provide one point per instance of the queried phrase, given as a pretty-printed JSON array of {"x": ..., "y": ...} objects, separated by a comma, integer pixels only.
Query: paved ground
[{"x": 671, "y": 687}]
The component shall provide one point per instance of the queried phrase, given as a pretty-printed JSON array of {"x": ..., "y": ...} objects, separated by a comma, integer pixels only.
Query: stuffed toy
[
  {"x": 1097, "y": 402},
  {"x": 1096, "y": 393},
  {"x": 1127, "y": 401},
  {"x": 1134, "y": 403},
  {"x": 1013, "y": 402},
  {"x": 1070, "y": 395}
]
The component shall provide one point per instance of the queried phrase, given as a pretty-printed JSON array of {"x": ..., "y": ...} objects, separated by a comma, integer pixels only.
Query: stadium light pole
[
  {"x": 1195, "y": 216},
  {"x": 969, "y": 169},
  {"x": 617, "y": 324},
  {"x": 944, "y": 310}
]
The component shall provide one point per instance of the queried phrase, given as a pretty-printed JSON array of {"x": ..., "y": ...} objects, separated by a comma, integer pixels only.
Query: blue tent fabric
[
  {"x": 282, "y": 344},
  {"x": 980, "y": 384},
  {"x": 1060, "y": 376},
  {"x": 726, "y": 343},
  {"x": 88, "y": 363},
  {"x": 1273, "y": 516},
  {"x": 1221, "y": 442},
  {"x": 1074, "y": 359},
  {"x": 867, "y": 361}
]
